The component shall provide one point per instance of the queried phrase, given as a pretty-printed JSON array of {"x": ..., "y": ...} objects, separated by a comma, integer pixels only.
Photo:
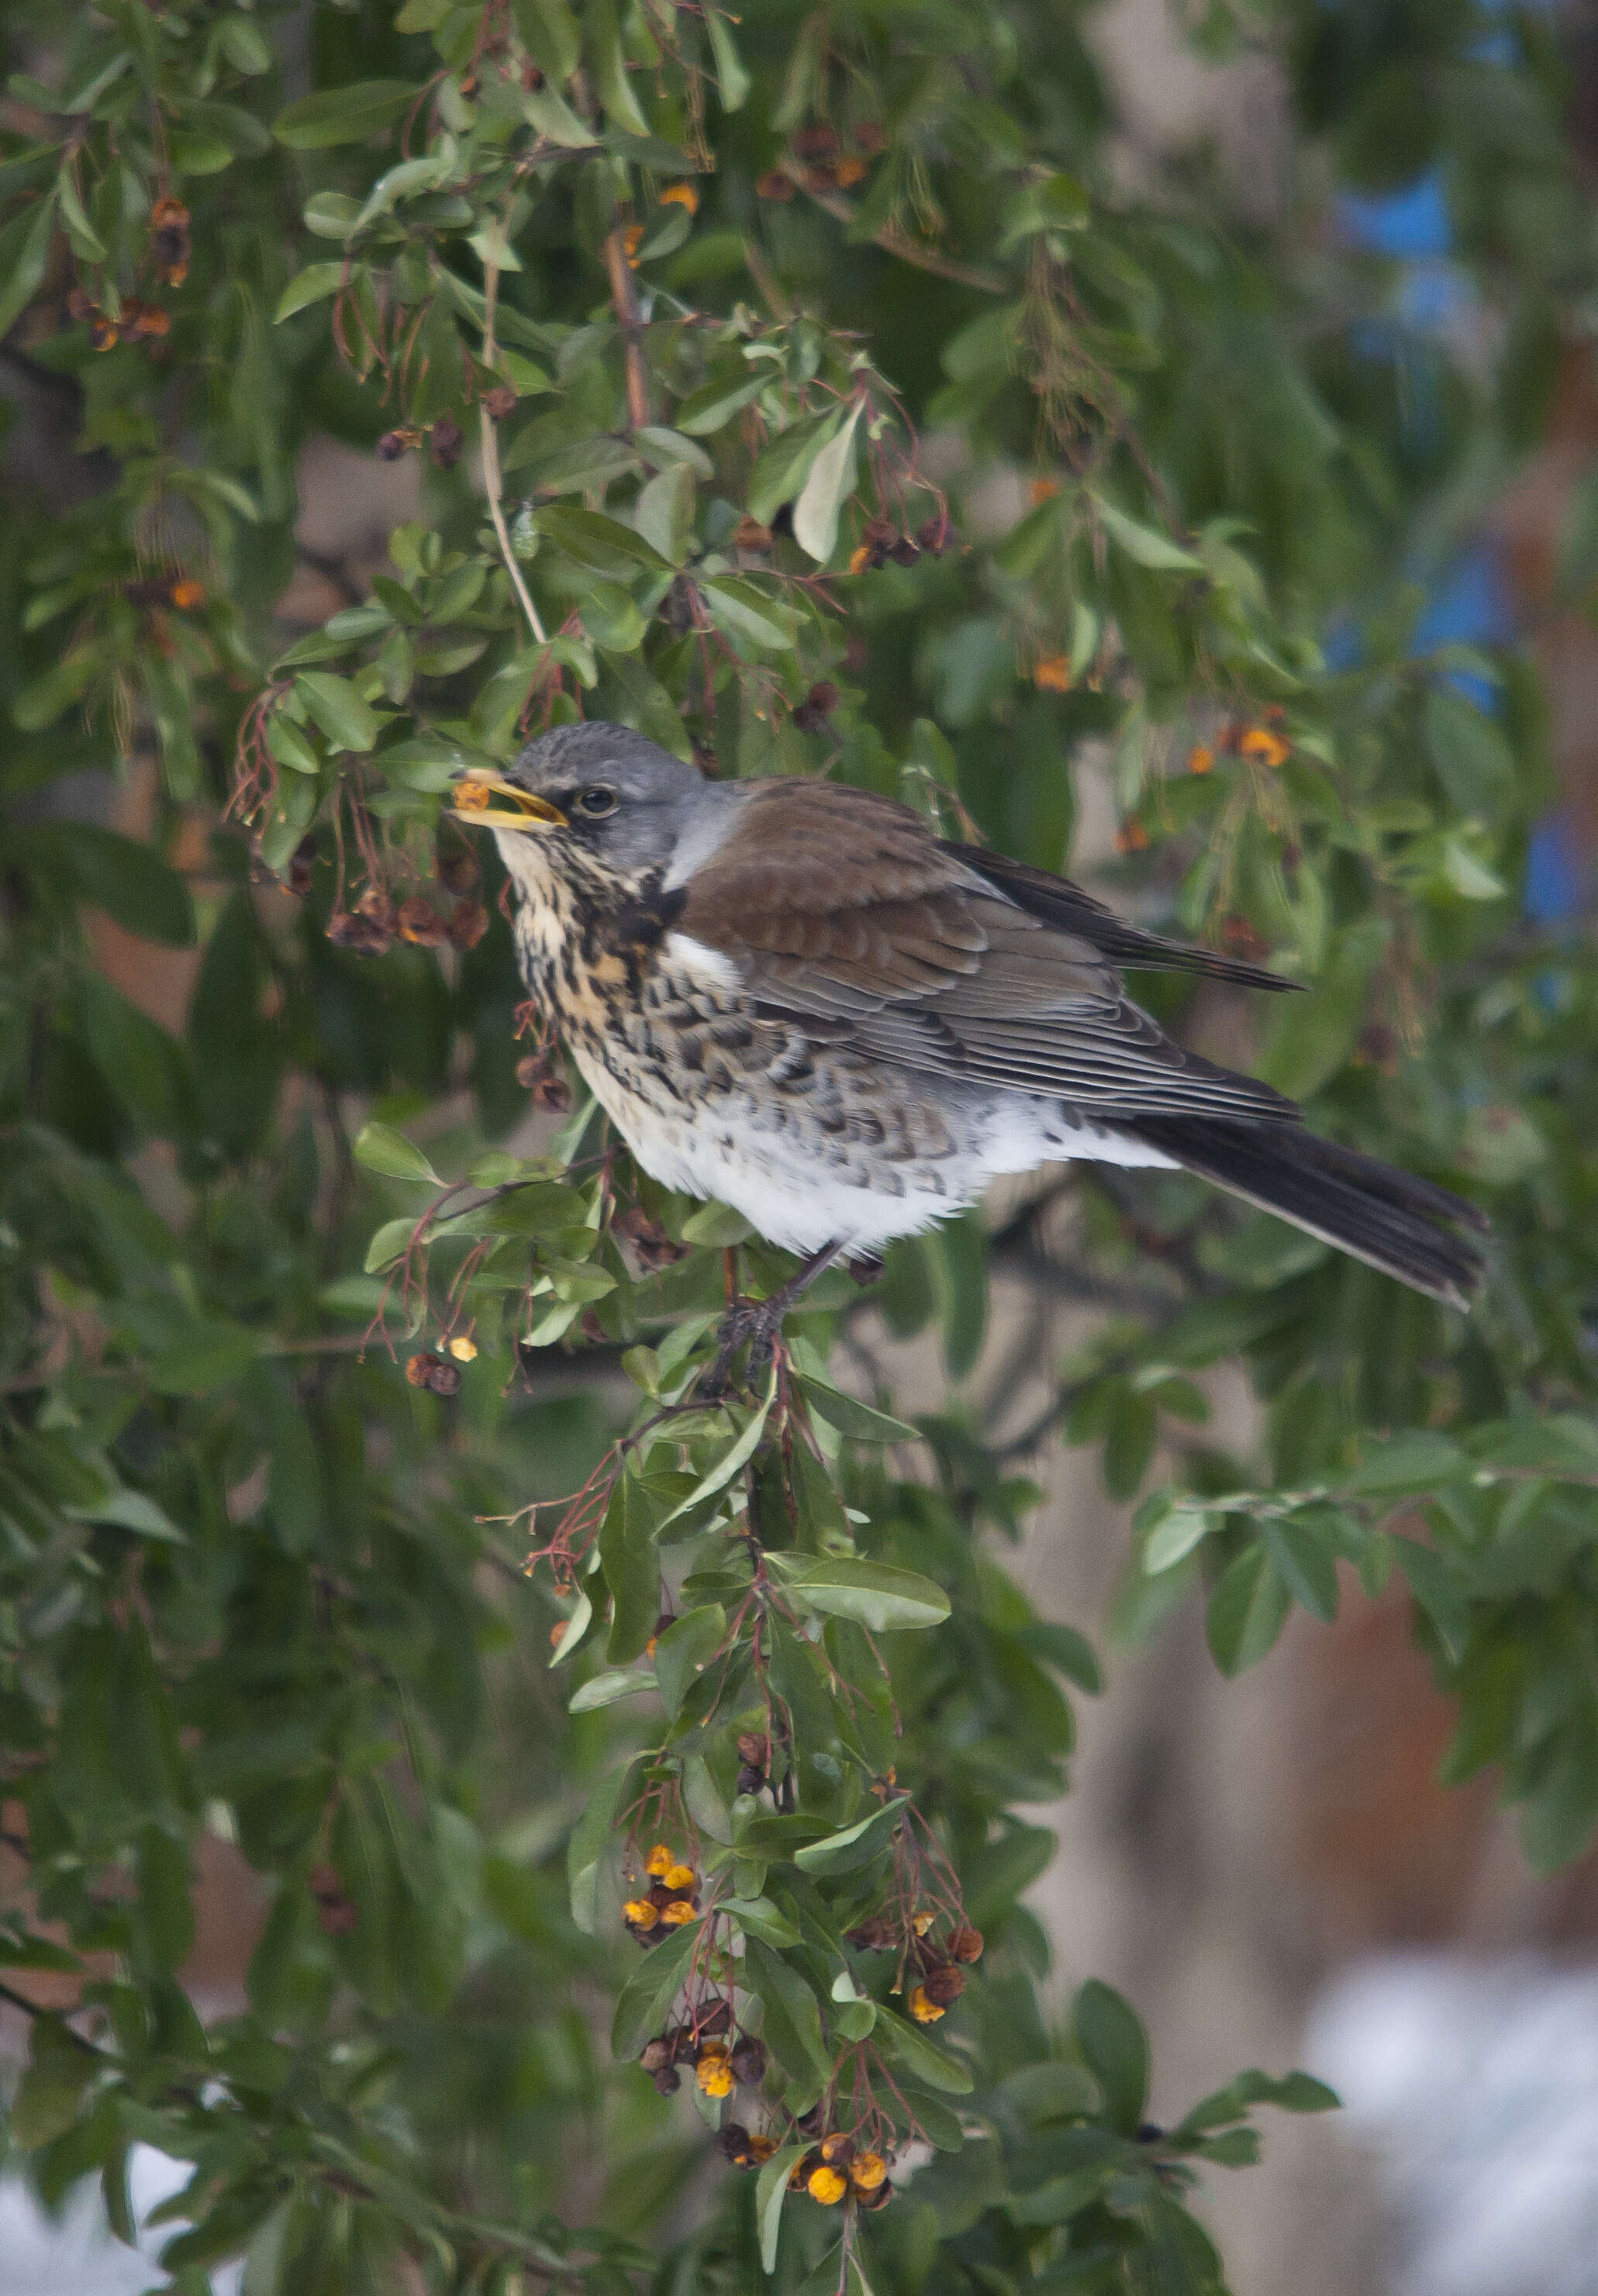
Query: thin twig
[
  {"x": 492, "y": 484},
  {"x": 625, "y": 300}
]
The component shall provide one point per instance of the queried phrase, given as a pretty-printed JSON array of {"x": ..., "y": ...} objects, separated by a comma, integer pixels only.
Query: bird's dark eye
[{"x": 597, "y": 802}]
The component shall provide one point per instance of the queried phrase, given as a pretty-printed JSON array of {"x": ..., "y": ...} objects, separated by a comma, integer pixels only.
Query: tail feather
[{"x": 1406, "y": 1226}]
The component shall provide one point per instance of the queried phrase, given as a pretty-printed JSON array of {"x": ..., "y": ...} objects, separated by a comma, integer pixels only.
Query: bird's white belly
[{"x": 800, "y": 1198}]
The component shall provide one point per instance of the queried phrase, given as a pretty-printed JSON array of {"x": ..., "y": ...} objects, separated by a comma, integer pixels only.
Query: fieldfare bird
[{"x": 794, "y": 996}]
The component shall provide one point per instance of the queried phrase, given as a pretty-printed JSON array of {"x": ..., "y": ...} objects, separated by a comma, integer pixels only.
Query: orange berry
[
  {"x": 641, "y": 1913},
  {"x": 1266, "y": 748},
  {"x": 1052, "y": 674},
  {"x": 1200, "y": 760},
  {"x": 674, "y": 1914},
  {"x": 922, "y": 1922},
  {"x": 678, "y": 1877},
  {"x": 714, "y": 2072},
  {"x": 659, "y": 1862},
  {"x": 867, "y": 2170},
  {"x": 923, "y": 2008},
  {"x": 1042, "y": 490},
  {"x": 859, "y": 560},
  {"x": 848, "y": 172},
  {"x": 680, "y": 195}
]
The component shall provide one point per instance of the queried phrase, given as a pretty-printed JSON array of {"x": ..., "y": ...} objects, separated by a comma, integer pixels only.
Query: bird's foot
[{"x": 755, "y": 1324}]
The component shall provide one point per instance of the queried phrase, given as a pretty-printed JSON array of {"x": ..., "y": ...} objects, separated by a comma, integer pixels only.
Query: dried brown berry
[
  {"x": 878, "y": 533},
  {"x": 818, "y": 141},
  {"x": 943, "y": 1986},
  {"x": 436, "y": 1373},
  {"x": 876, "y": 2196},
  {"x": 393, "y": 444},
  {"x": 661, "y": 2051},
  {"x": 499, "y": 402},
  {"x": 754, "y": 1747},
  {"x": 553, "y": 1093},
  {"x": 871, "y": 137},
  {"x": 718, "y": 2018},
  {"x": 732, "y": 2143},
  {"x": 750, "y": 1780},
  {"x": 375, "y": 905},
  {"x": 419, "y": 922},
  {"x": 966, "y": 1944},
  {"x": 169, "y": 239},
  {"x": 445, "y": 441},
  {"x": 359, "y": 935},
  {"x": 749, "y": 2062},
  {"x": 668, "y": 2080},
  {"x": 933, "y": 534},
  {"x": 874, "y": 1936},
  {"x": 458, "y": 873},
  {"x": 335, "y": 1911},
  {"x": 749, "y": 533},
  {"x": 651, "y": 1246},
  {"x": 775, "y": 183},
  {"x": 812, "y": 2123},
  {"x": 837, "y": 2149},
  {"x": 855, "y": 655},
  {"x": 468, "y": 922},
  {"x": 301, "y": 867},
  {"x": 904, "y": 552},
  {"x": 812, "y": 713},
  {"x": 79, "y": 305}
]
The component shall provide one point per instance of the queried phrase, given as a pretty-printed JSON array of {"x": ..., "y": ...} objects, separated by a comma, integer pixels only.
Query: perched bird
[{"x": 795, "y": 998}]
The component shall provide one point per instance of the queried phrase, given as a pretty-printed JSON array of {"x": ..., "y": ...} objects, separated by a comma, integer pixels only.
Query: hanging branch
[{"x": 492, "y": 484}]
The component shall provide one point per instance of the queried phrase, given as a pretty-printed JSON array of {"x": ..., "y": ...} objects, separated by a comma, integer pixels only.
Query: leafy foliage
[{"x": 692, "y": 290}]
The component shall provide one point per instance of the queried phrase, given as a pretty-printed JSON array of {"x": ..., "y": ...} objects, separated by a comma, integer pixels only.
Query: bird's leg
[{"x": 757, "y": 1323}]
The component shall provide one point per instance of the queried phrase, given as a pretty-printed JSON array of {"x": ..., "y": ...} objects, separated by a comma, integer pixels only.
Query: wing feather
[{"x": 845, "y": 914}]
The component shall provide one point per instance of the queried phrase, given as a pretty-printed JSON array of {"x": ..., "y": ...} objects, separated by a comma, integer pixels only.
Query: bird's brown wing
[{"x": 847, "y": 917}]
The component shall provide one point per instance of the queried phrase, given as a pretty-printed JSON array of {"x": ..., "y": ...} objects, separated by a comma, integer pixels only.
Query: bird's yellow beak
[{"x": 475, "y": 797}]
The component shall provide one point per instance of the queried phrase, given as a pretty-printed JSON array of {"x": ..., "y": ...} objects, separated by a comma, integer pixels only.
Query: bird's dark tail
[{"x": 1404, "y": 1226}]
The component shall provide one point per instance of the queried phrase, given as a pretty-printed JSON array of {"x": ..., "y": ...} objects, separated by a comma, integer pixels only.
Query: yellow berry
[
  {"x": 923, "y": 2008},
  {"x": 659, "y": 1861},
  {"x": 714, "y": 2072},
  {"x": 867, "y": 2170},
  {"x": 922, "y": 1922},
  {"x": 464, "y": 1350},
  {"x": 828, "y": 2185},
  {"x": 641, "y": 1914},
  {"x": 678, "y": 1877},
  {"x": 681, "y": 1910}
]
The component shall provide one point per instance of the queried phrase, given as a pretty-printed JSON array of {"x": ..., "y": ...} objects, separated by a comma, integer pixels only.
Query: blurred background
[{"x": 1267, "y": 1867}]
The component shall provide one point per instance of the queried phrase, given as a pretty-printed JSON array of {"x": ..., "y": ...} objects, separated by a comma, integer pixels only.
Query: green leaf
[
  {"x": 601, "y": 544},
  {"x": 737, "y": 1453},
  {"x": 606, "y": 1689},
  {"x": 648, "y": 1993},
  {"x": 349, "y": 722},
  {"x": 682, "y": 1648},
  {"x": 1052, "y": 2091},
  {"x": 1437, "y": 1590},
  {"x": 716, "y": 1223},
  {"x": 344, "y": 115},
  {"x": 1473, "y": 761},
  {"x": 850, "y": 1416},
  {"x": 1420, "y": 1460},
  {"x": 793, "y": 2026},
  {"x": 715, "y": 403},
  {"x": 590, "y": 1843},
  {"x": 1116, "y": 2048},
  {"x": 748, "y": 616},
  {"x": 1290, "y": 2092},
  {"x": 830, "y": 483},
  {"x": 770, "y": 2190},
  {"x": 308, "y": 285},
  {"x": 59, "y": 2069},
  {"x": 856, "y": 1846},
  {"x": 630, "y": 1561},
  {"x": 730, "y": 77},
  {"x": 920, "y": 2058},
  {"x": 1248, "y": 1610},
  {"x": 380, "y": 1149},
  {"x": 875, "y": 1594},
  {"x": 760, "y": 1918},
  {"x": 550, "y": 34},
  {"x": 24, "y": 252},
  {"x": 1144, "y": 543},
  {"x": 783, "y": 466}
]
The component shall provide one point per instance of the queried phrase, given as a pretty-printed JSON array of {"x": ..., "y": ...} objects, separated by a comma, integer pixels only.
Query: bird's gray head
[{"x": 597, "y": 799}]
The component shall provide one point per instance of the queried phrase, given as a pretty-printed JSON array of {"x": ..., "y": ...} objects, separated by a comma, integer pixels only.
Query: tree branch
[
  {"x": 493, "y": 486},
  {"x": 625, "y": 300}
]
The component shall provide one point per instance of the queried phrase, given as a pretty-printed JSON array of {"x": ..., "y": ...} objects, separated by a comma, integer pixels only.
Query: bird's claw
[{"x": 755, "y": 1324}]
